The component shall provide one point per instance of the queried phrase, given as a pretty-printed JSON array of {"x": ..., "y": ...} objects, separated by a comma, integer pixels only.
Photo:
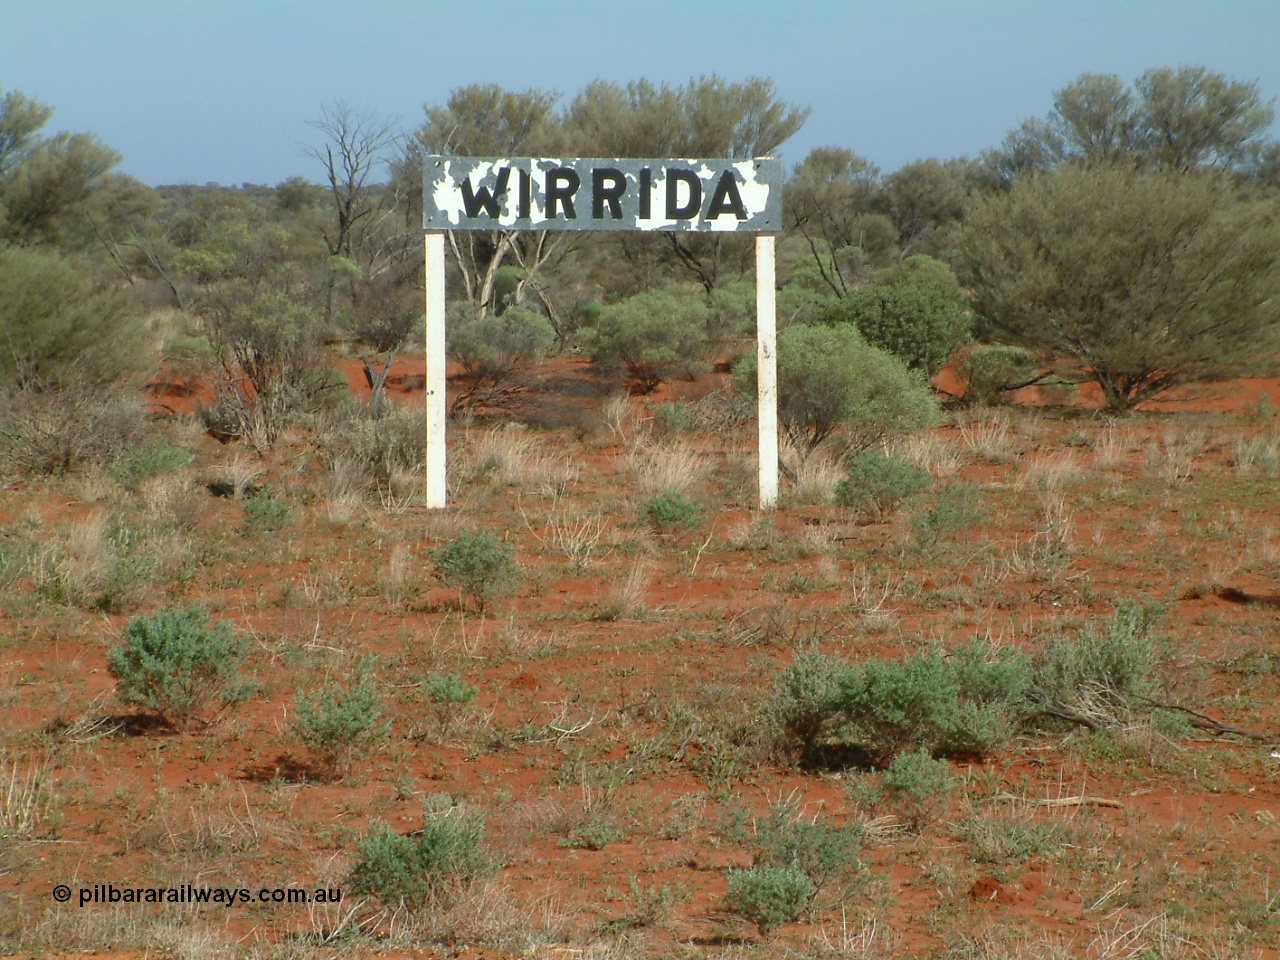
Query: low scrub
[
  {"x": 1101, "y": 677},
  {"x": 479, "y": 565},
  {"x": 991, "y": 370},
  {"x": 66, "y": 430},
  {"x": 963, "y": 705},
  {"x": 830, "y": 379},
  {"x": 820, "y": 850},
  {"x": 428, "y": 870},
  {"x": 968, "y": 702},
  {"x": 875, "y": 484},
  {"x": 176, "y": 664},
  {"x": 769, "y": 896},
  {"x": 339, "y": 724},
  {"x": 656, "y": 336}
]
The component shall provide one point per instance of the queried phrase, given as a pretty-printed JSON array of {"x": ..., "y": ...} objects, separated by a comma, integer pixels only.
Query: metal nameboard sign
[{"x": 528, "y": 193}]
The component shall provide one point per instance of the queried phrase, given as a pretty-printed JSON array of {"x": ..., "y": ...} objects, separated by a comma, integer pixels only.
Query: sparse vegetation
[
  {"x": 427, "y": 871},
  {"x": 176, "y": 664},
  {"x": 340, "y": 723},
  {"x": 1030, "y": 708},
  {"x": 478, "y": 565}
]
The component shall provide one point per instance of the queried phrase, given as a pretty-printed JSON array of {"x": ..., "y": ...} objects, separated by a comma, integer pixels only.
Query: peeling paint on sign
[{"x": 525, "y": 193}]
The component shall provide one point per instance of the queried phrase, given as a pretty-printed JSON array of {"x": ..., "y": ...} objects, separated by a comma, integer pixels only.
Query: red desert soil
[{"x": 608, "y": 694}]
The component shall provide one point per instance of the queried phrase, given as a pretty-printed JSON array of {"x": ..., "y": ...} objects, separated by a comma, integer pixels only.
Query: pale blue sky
[{"x": 190, "y": 91}]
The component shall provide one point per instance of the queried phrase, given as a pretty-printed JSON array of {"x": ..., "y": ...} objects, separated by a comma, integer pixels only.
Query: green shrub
[
  {"x": 957, "y": 510},
  {"x": 1102, "y": 676},
  {"x": 1009, "y": 836},
  {"x": 919, "y": 786},
  {"x": 479, "y": 565},
  {"x": 769, "y": 896},
  {"x": 338, "y": 724},
  {"x": 993, "y": 686},
  {"x": 175, "y": 664},
  {"x": 428, "y": 870},
  {"x": 673, "y": 417},
  {"x": 892, "y": 705},
  {"x": 596, "y": 834},
  {"x": 494, "y": 346},
  {"x": 672, "y": 513},
  {"x": 991, "y": 369},
  {"x": 264, "y": 513},
  {"x": 875, "y": 484},
  {"x": 62, "y": 327},
  {"x": 269, "y": 347},
  {"x": 654, "y": 335},
  {"x": 449, "y": 694},
  {"x": 820, "y": 850},
  {"x": 806, "y": 697},
  {"x": 394, "y": 442},
  {"x": 830, "y": 378},
  {"x": 963, "y": 706},
  {"x": 919, "y": 314},
  {"x": 151, "y": 459}
]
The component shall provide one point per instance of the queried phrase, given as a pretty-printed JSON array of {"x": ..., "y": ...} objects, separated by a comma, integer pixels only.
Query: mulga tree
[{"x": 1146, "y": 279}]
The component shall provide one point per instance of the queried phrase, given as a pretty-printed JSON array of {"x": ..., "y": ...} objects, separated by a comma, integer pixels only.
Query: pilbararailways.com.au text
[{"x": 109, "y": 893}]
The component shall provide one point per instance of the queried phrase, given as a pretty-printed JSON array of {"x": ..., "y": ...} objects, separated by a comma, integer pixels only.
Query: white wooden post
[
  {"x": 767, "y": 369},
  {"x": 435, "y": 379}
]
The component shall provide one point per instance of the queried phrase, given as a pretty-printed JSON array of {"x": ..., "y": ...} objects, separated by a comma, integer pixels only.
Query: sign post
[
  {"x": 526, "y": 193},
  {"x": 436, "y": 382}
]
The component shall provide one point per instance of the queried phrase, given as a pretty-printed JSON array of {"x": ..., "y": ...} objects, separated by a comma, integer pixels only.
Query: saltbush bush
[
  {"x": 672, "y": 513},
  {"x": 494, "y": 346},
  {"x": 340, "y": 723},
  {"x": 176, "y": 664},
  {"x": 820, "y": 850},
  {"x": 991, "y": 369},
  {"x": 61, "y": 327},
  {"x": 63, "y": 430},
  {"x": 152, "y": 458},
  {"x": 875, "y": 484},
  {"x": 957, "y": 509},
  {"x": 805, "y": 697},
  {"x": 966, "y": 704},
  {"x": 655, "y": 335},
  {"x": 918, "y": 313},
  {"x": 478, "y": 565},
  {"x": 918, "y": 785},
  {"x": 427, "y": 870},
  {"x": 830, "y": 378},
  {"x": 265, "y": 513},
  {"x": 1102, "y": 676},
  {"x": 448, "y": 695},
  {"x": 769, "y": 895},
  {"x": 394, "y": 442}
]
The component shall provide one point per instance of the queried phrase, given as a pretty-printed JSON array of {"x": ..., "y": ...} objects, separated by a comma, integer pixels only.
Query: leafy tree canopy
[
  {"x": 1146, "y": 279},
  {"x": 1170, "y": 120}
]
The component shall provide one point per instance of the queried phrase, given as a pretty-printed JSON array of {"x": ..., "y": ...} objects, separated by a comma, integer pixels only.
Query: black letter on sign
[
  {"x": 646, "y": 192},
  {"x": 522, "y": 203},
  {"x": 611, "y": 194},
  {"x": 472, "y": 201},
  {"x": 562, "y": 184},
  {"x": 689, "y": 209},
  {"x": 726, "y": 199}
]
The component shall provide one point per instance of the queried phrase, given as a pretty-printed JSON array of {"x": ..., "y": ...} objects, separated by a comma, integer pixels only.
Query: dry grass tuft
[
  {"x": 939, "y": 456},
  {"x": 25, "y": 798},
  {"x": 1111, "y": 448},
  {"x": 1052, "y": 473},
  {"x": 814, "y": 473},
  {"x": 988, "y": 436},
  {"x": 676, "y": 467}
]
